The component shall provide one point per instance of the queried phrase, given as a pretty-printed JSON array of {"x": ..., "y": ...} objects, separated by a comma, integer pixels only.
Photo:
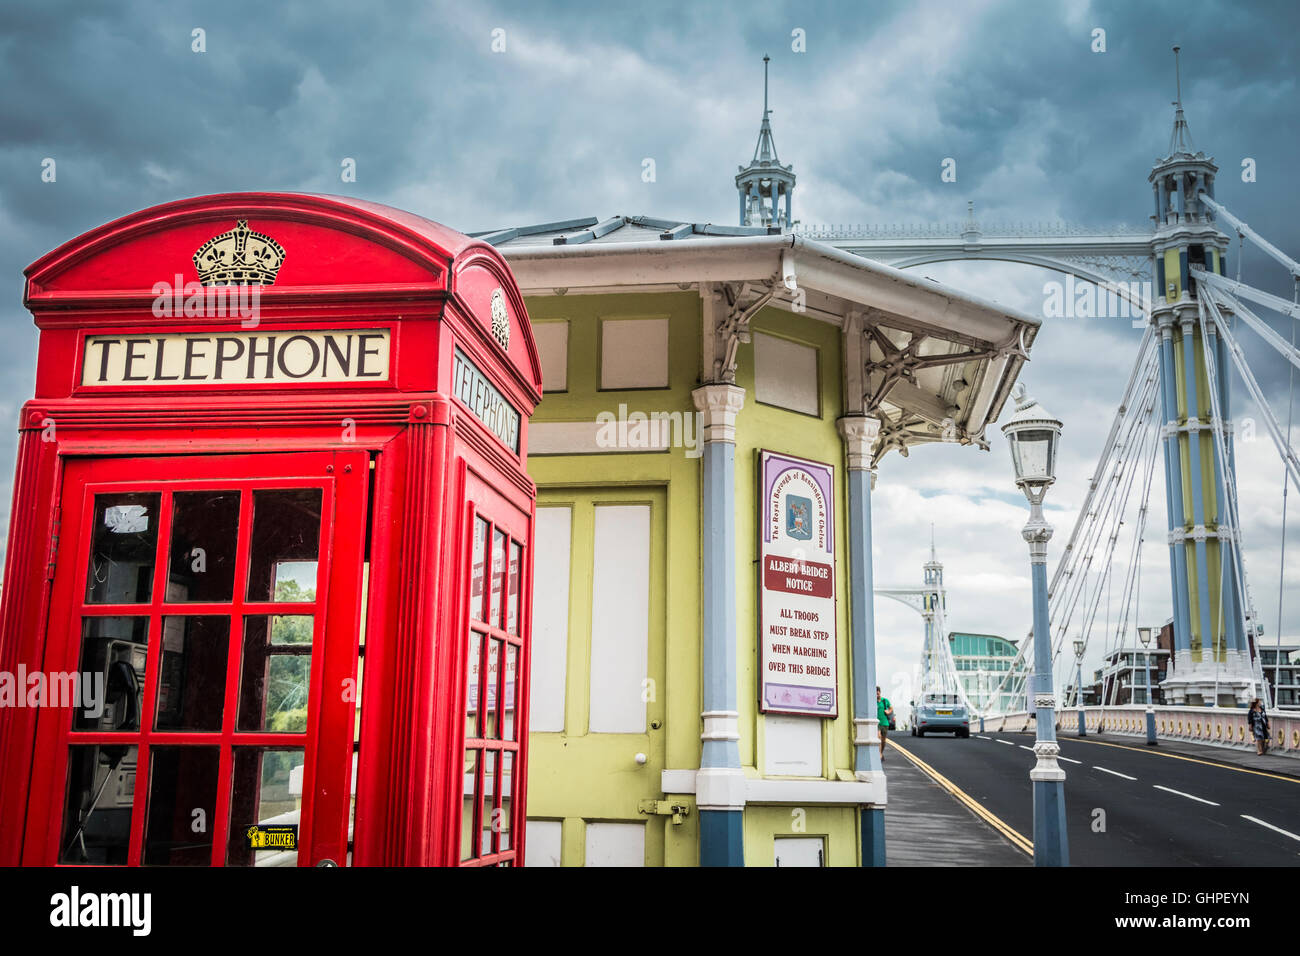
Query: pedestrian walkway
[
  {"x": 928, "y": 825},
  {"x": 1287, "y": 765}
]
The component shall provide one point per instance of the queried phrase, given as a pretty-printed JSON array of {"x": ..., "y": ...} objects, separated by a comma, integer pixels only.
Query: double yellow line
[
  {"x": 1016, "y": 838},
  {"x": 1164, "y": 753}
]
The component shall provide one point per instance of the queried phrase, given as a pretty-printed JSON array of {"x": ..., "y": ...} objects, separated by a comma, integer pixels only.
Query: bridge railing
[
  {"x": 956, "y": 230},
  {"x": 1009, "y": 723},
  {"x": 1217, "y": 726}
]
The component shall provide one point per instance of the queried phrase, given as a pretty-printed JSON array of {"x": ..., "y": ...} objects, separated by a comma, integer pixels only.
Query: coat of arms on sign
[
  {"x": 500, "y": 319},
  {"x": 798, "y": 518}
]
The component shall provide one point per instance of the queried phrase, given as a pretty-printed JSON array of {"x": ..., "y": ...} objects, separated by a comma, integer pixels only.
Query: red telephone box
[{"x": 267, "y": 590}]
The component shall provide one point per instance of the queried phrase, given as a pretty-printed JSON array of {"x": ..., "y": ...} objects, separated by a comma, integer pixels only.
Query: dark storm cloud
[{"x": 559, "y": 125}]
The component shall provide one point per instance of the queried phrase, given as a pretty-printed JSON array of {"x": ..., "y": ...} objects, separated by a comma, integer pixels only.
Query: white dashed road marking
[
  {"x": 982, "y": 737},
  {"x": 1115, "y": 772},
  {"x": 1270, "y": 826},
  {"x": 1007, "y": 742},
  {"x": 1058, "y": 756},
  {"x": 1187, "y": 795}
]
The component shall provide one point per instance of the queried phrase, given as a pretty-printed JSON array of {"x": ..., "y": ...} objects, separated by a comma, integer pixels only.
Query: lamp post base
[
  {"x": 1151, "y": 727},
  {"x": 722, "y": 838},
  {"x": 873, "y": 836},
  {"x": 1050, "y": 846}
]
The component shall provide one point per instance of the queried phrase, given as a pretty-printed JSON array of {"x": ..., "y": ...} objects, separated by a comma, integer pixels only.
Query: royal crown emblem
[
  {"x": 239, "y": 257},
  {"x": 500, "y": 319}
]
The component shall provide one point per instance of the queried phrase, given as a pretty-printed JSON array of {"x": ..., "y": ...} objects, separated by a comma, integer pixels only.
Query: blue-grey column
[
  {"x": 1229, "y": 507},
  {"x": 1223, "y": 517},
  {"x": 743, "y": 198},
  {"x": 1198, "y": 492},
  {"x": 719, "y": 783},
  {"x": 1078, "y": 696},
  {"x": 1174, "y": 499},
  {"x": 1169, "y": 444},
  {"x": 1051, "y": 847},
  {"x": 860, "y": 433}
]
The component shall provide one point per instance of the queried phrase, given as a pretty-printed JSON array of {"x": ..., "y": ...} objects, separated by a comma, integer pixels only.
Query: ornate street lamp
[
  {"x": 1078, "y": 686},
  {"x": 1033, "y": 435},
  {"x": 1144, "y": 635}
]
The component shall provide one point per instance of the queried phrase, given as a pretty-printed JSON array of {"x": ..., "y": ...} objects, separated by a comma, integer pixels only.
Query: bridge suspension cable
[
  {"x": 1251, "y": 234},
  {"x": 1211, "y": 325},
  {"x": 1248, "y": 378},
  {"x": 1127, "y": 462},
  {"x": 1131, "y": 448},
  {"x": 1144, "y": 442},
  {"x": 1101, "y": 514},
  {"x": 1227, "y": 295}
]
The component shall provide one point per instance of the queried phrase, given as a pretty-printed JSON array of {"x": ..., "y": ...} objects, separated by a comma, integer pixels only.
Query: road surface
[{"x": 1130, "y": 805}]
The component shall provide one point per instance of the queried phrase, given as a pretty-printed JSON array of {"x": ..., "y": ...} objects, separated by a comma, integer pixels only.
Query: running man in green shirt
[{"x": 884, "y": 710}]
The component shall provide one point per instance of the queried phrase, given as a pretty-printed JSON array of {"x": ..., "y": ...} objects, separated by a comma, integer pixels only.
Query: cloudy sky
[{"x": 558, "y": 123}]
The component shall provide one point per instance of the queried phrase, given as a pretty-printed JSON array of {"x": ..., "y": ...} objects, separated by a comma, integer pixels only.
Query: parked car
[{"x": 940, "y": 713}]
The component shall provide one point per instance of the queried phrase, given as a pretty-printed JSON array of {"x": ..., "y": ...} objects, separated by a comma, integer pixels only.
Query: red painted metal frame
[
  {"x": 349, "y": 264},
  {"x": 479, "y": 620},
  {"x": 323, "y": 828}
]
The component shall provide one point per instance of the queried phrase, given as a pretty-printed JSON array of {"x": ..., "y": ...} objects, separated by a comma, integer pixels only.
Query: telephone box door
[
  {"x": 206, "y": 621},
  {"x": 496, "y": 707}
]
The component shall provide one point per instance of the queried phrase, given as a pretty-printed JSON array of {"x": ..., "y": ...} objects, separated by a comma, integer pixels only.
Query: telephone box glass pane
[
  {"x": 113, "y": 652},
  {"x": 487, "y": 822},
  {"x": 478, "y": 575},
  {"x": 201, "y": 566},
  {"x": 490, "y": 696},
  {"x": 124, "y": 542},
  {"x": 97, "y": 811},
  {"x": 512, "y": 596},
  {"x": 275, "y": 673},
  {"x": 182, "y": 793},
  {"x": 510, "y": 707},
  {"x": 192, "y": 673},
  {"x": 471, "y": 685},
  {"x": 267, "y": 791},
  {"x": 507, "y": 797},
  {"x": 285, "y": 546},
  {"x": 498, "y": 576},
  {"x": 468, "y": 803}
]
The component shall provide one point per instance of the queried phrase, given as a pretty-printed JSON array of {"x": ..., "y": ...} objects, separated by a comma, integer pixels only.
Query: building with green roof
[{"x": 983, "y": 663}]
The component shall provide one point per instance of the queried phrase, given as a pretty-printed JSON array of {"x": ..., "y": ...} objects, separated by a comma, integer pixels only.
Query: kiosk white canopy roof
[{"x": 933, "y": 363}]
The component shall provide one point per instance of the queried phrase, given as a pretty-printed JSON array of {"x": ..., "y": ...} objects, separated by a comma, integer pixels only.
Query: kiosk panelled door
[
  {"x": 212, "y": 624},
  {"x": 494, "y": 721}
]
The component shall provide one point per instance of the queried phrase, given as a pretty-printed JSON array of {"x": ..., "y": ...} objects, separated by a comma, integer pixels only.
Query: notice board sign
[{"x": 796, "y": 585}]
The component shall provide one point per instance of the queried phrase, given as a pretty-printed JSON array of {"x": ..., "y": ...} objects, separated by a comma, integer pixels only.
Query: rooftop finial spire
[
  {"x": 932, "y": 555},
  {"x": 766, "y": 58},
  {"x": 765, "y": 186},
  {"x": 1181, "y": 139},
  {"x": 765, "y": 149},
  {"x": 1178, "y": 80}
]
